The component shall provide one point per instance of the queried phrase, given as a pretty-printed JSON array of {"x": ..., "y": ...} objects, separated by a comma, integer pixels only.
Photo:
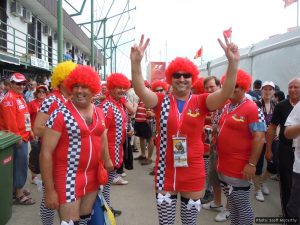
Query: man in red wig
[
  {"x": 180, "y": 119},
  {"x": 56, "y": 99},
  {"x": 240, "y": 140},
  {"x": 115, "y": 120},
  {"x": 212, "y": 84},
  {"x": 74, "y": 141}
]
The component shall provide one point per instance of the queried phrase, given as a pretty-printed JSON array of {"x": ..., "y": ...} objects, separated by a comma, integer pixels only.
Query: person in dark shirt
[
  {"x": 256, "y": 92},
  {"x": 285, "y": 150}
]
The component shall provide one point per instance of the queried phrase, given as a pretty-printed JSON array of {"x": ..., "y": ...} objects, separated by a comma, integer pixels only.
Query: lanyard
[{"x": 179, "y": 117}]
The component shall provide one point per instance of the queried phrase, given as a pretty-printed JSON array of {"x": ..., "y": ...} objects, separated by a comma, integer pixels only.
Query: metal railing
[{"x": 22, "y": 45}]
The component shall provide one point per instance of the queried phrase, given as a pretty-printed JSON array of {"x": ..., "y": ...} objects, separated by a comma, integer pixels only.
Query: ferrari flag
[
  {"x": 227, "y": 33},
  {"x": 199, "y": 53}
]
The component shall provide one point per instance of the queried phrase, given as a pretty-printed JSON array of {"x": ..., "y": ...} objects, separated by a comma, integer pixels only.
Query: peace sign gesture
[
  {"x": 137, "y": 51},
  {"x": 231, "y": 50}
]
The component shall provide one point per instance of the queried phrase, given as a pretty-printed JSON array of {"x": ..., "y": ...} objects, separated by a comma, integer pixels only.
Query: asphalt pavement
[{"x": 137, "y": 202}]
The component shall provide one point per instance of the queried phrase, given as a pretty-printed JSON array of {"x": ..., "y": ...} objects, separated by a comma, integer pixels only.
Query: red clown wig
[
  {"x": 85, "y": 76},
  {"x": 180, "y": 64},
  {"x": 158, "y": 83},
  {"x": 243, "y": 80},
  {"x": 117, "y": 80},
  {"x": 198, "y": 86}
]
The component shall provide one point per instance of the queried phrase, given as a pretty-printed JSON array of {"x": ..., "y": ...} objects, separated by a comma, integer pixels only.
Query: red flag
[
  {"x": 199, "y": 53},
  {"x": 288, "y": 2},
  {"x": 227, "y": 33}
]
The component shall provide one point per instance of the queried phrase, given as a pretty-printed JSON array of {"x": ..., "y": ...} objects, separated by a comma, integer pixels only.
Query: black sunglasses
[
  {"x": 159, "y": 90},
  {"x": 185, "y": 75}
]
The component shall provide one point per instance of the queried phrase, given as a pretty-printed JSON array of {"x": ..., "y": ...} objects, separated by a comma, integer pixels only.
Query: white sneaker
[
  {"x": 212, "y": 206},
  {"x": 119, "y": 181},
  {"x": 222, "y": 216},
  {"x": 259, "y": 196},
  {"x": 123, "y": 174},
  {"x": 265, "y": 190}
]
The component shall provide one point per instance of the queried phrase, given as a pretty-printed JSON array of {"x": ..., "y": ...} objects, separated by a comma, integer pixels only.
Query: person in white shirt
[{"x": 292, "y": 131}]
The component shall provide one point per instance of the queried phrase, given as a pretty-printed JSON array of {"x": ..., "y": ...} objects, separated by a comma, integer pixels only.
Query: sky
[{"x": 181, "y": 27}]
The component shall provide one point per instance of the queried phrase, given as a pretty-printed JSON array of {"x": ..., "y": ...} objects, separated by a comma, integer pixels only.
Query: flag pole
[{"x": 297, "y": 13}]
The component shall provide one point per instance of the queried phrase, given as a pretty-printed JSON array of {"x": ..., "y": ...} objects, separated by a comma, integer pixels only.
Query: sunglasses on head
[
  {"x": 185, "y": 75},
  {"x": 20, "y": 84},
  {"x": 159, "y": 90}
]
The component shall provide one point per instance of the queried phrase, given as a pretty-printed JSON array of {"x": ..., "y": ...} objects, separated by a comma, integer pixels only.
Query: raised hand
[
  {"x": 231, "y": 50},
  {"x": 137, "y": 51}
]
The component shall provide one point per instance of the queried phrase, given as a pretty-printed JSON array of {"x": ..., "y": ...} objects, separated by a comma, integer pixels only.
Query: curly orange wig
[
  {"x": 86, "y": 76},
  {"x": 198, "y": 86},
  {"x": 180, "y": 64},
  {"x": 117, "y": 80},
  {"x": 243, "y": 80},
  {"x": 159, "y": 83}
]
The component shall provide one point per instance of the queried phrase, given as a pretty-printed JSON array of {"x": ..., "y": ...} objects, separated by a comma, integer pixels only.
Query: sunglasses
[
  {"x": 42, "y": 92},
  {"x": 159, "y": 90},
  {"x": 20, "y": 84},
  {"x": 179, "y": 75}
]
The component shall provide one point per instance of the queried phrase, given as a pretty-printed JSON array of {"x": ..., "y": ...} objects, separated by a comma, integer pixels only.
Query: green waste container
[{"x": 7, "y": 142}]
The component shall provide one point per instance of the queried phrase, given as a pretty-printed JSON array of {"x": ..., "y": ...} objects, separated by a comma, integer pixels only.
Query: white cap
[
  {"x": 268, "y": 83},
  {"x": 18, "y": 78}
]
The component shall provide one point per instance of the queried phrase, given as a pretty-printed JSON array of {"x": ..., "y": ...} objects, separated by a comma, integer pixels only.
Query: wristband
[{"x": 251, "y": 164}]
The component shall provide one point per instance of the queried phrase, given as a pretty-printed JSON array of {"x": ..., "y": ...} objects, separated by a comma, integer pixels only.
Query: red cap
[{"x": 18, "y": 78}]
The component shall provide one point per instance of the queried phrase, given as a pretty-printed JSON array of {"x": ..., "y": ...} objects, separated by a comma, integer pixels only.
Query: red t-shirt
[
  {"x": 234, "y": 143},
  {"x": 140, "y": 115}
]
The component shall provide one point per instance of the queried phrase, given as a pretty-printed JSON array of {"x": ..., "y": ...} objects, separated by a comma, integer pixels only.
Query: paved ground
[{"x": 137, "y": 202}]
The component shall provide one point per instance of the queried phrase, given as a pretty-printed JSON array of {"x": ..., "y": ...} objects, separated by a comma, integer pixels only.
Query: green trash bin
[{"x": 7, "y": 142}]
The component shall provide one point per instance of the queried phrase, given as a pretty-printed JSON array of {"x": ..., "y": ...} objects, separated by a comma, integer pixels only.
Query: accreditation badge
[
  {"x": 27, "y": 122},
  {"x": 180, "y": 151}
]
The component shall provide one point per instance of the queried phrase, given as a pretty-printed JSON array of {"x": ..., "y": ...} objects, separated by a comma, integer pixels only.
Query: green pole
[
  {"x": 104, "y": 49},
  {"x": 111, "y": 55},
  {"x": 92, "y": 33},
  {"x": 59, "y": 31}
]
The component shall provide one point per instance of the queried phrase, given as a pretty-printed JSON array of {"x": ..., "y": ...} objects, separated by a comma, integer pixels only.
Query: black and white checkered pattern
[
  {"x": 48, "y": 102},
  {"x": 261, "y": 117},
  {"x": 167, "y": 212},
  {"x": 107, "y": 186},
  {"x": 73, "y": 151},
  {"x": 240, "y": 207},
  {"x": 118, "y": 123},
  {"x": 46, "y": 214},
  {"x": 188, "y": 216},
  {"x": 163, "y": 143}
]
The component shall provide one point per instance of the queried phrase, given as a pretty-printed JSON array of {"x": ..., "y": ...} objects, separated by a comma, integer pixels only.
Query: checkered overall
[
  {"x": 47, "y": 215},
  {"x": 73, "y": 150},
  {"x": 48, "y": 102},
  {"x": 163, "y": 143},
  {"x": 118, "y": 123}
]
